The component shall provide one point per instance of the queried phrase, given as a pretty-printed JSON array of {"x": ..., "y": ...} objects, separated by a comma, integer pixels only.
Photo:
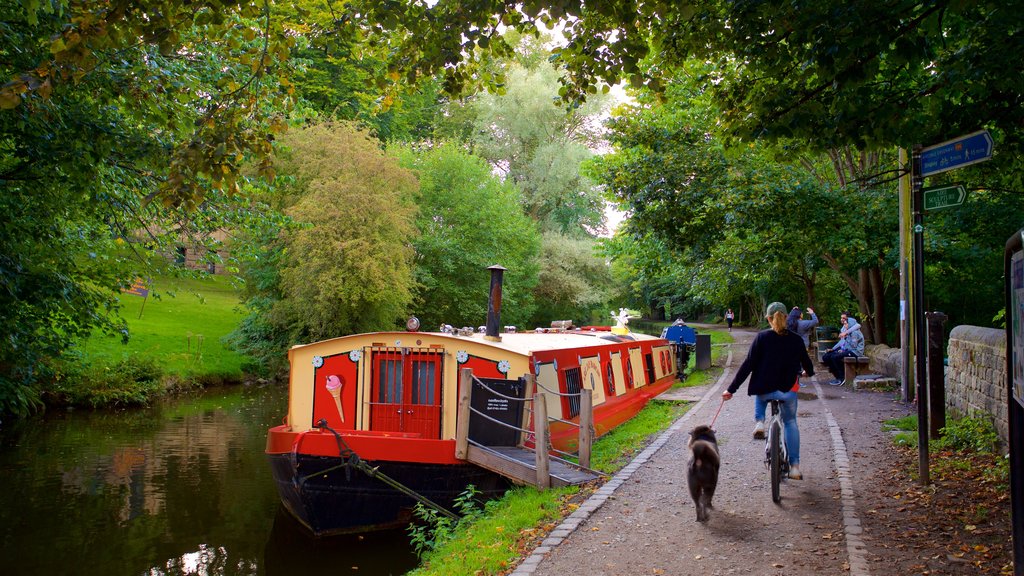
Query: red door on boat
[{"x": 406, "y": 391}]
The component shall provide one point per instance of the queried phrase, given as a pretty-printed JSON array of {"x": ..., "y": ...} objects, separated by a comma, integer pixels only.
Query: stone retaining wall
[{"x": 976, "y": 375}]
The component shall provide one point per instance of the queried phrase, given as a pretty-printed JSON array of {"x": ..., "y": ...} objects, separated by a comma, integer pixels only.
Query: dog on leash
[{"x": 702, "y": 475}]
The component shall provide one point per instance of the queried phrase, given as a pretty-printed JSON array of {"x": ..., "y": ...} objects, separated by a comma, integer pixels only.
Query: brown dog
[{"x": 702, "y": 475}]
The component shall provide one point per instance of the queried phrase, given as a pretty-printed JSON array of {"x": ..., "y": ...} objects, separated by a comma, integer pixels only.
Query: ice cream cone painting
[{"x": 334, "y": 384}]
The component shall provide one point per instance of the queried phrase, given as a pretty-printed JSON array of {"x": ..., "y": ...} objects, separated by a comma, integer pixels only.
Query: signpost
[
  {"x": 944, "y": 156},
  {"x": 957, "y": 153},
  {"x": 944, "y": 196}
]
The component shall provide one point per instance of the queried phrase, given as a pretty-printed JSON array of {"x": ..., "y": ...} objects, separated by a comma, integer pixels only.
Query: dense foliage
[
  {"x": 104, "y": 108},
  {"x": 346, "y": 265},
  {"x": 469, "y": 219},
  {"x": 756, "y": 159}
]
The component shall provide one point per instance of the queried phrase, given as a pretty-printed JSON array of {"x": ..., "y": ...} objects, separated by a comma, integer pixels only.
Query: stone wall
[
  {"x": 885, "y": 360},
  {"x": 976, "y": 375}
]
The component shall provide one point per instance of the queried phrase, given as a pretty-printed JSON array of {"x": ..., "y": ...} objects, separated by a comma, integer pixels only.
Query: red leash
[{"x": 712, "y": 426}]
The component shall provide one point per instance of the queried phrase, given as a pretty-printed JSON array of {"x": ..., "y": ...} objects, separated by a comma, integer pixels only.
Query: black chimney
[{"x": 494, "y": 304}]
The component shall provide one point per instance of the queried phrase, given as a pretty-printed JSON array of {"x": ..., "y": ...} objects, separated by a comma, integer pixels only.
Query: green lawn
[{"x": 181, "y": 324}]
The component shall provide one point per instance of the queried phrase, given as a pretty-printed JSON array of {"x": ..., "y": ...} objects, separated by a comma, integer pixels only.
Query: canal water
[{"x": 180, "y": 488}]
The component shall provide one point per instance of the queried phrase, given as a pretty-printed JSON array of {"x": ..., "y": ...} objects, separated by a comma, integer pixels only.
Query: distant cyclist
[{"x": 773, "y": 363}]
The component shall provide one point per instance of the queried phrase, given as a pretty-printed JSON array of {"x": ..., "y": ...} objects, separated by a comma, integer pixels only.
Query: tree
[
  {"x": 575, "y": 281},
  {"x": 106, "y": 107},
  {"x": 746, "y": 226},
  {"x": 468, "y": 219},
  {"x": 348, "y": 265},
  {"x": 864, "y": 73},
  {"x": 540, "y": 147}
]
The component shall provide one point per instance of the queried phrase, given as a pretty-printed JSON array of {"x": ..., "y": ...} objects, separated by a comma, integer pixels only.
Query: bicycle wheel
[{"x": 775, "y": 457}]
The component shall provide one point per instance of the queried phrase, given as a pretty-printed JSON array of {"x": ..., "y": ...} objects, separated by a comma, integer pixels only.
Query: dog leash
[{"x": 712, "y": 425}]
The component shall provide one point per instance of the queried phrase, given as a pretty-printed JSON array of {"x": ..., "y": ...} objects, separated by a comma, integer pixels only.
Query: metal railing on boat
[{"x": 520, "y": 463}]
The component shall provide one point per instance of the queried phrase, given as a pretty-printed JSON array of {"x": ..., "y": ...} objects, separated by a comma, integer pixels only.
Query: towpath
[{"x": 642, "y": 521}]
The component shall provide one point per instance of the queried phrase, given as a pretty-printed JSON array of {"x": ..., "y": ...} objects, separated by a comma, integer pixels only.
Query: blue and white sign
[{"x": 957, "y": 153}]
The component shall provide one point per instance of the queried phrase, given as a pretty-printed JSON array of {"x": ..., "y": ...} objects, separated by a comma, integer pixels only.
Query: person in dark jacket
[
  {"x": 796, "y": 323},
  {"x": 773, "y": 364}
]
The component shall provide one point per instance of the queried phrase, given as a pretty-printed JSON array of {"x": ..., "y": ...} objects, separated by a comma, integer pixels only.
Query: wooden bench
[{"x": 855, "y": 366}]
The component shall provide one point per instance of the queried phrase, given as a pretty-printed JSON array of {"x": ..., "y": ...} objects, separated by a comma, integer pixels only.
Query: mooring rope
[{"x": 350, "y": 460}]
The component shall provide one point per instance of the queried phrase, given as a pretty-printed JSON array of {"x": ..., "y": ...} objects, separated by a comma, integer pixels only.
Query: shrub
[
  {"x": 131, "y": 381},
  {"x": 435, "y": 529},
  {"x": 974, "y": 433}
]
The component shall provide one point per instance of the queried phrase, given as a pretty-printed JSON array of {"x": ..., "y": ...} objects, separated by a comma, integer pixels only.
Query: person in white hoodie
[{"x": 851, "y": 343}]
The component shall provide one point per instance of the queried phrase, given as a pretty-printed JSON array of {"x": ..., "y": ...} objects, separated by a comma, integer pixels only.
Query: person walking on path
[
  {"x": 729, "y": 317},
  {"x": 773, "y": 364},
  {"x": 851, "y": 343}
]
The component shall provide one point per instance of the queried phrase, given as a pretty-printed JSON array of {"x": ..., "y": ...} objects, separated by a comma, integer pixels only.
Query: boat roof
[{"x": 518, "y": 342}]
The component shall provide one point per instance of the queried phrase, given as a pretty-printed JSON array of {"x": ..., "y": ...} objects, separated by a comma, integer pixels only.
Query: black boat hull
[{"x": 346, "y": 500}]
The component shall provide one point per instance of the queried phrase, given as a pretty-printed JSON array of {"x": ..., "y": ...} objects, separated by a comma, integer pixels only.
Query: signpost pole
[
  {"x": 906, "y": 311},
  {"x": 917, "y": 197}
]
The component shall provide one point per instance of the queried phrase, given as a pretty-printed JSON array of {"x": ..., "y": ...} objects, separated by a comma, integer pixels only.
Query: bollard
[
  {"x": 703, "y": 351},
  {"x": 936, "y": 374}
]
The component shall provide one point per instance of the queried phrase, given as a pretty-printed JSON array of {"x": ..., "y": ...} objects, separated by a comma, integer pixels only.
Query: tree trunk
[
  {"x": 862, "y": 290},
  {"x": 878, "y": 292}
]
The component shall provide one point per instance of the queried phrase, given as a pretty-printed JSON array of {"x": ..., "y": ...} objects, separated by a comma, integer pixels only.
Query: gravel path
[{"x": 642, "y": 522}]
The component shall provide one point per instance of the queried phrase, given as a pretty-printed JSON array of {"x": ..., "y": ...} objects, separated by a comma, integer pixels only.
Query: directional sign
[
  {"x": 944, "y": 196},
  {"x": 957, "y": 153}
]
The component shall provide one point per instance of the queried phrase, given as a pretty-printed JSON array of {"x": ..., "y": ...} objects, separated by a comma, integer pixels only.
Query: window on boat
[
  {"x": 609, "y": 379},
  {"x": 629, "y": 372},
  {"x": 573, "y": 385},
  {"x": 390, "y": 384},
  {"x": 423, "y": 373},
  {"x": 649, "y": 361}
]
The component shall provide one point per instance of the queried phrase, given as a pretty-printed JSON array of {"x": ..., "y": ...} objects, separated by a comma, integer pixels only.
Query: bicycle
[{"x": 775, "y": 457}]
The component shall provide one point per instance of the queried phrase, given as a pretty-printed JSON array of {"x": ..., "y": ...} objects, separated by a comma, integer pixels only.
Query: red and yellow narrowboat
[{"x": 387, "y": 402}]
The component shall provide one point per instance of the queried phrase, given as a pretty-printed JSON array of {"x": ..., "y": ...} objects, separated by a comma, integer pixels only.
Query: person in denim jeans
[
  {"x": 851, "y": 343},
  {"x": 773, "y": 364}
]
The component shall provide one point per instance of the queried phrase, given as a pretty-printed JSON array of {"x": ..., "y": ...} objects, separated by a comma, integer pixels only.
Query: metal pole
[
  {"x": 906, "y": 328},
  {"x": 918, "y": 309}
]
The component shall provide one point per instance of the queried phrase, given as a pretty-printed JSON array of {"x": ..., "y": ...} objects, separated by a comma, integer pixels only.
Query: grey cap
[{"x": 775, "y": 307}]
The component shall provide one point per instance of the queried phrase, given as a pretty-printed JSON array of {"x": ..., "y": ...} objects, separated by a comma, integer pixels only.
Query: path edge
[{"x": 529, "y": 565}]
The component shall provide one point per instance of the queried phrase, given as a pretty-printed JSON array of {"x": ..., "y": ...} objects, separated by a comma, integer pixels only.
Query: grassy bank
[{"x": 174, "y": 344}]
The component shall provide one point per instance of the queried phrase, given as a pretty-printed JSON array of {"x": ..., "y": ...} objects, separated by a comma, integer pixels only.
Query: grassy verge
[
  {"x": 174, "y": 344},
  {"x": 512, "y": 526}
]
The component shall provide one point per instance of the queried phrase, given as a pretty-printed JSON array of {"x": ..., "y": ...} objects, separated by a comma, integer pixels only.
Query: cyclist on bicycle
[{"x": 773, "y": 363}]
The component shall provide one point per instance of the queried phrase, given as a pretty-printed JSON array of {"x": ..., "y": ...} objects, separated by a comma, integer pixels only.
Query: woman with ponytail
[{"x": 773, "y": 363}]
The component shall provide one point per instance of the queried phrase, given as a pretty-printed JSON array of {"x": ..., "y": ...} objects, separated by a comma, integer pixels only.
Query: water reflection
[{"x": 182, "y": 488}]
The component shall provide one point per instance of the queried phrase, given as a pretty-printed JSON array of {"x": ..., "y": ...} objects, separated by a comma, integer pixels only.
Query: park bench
[{"x": 855, "y": 366}]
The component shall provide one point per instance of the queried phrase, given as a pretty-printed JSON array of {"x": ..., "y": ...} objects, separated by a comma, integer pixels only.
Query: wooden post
[
  {"x": 462, "y": 417},
  {"x": 540, "y": 435},
  {"x": 586, "y": 426},
  {"x": 936, "y": 373},
  {"x": 530, "y": 390}
]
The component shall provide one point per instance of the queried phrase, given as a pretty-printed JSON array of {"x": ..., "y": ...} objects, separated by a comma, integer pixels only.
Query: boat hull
[{"x": 347, "y": 500}]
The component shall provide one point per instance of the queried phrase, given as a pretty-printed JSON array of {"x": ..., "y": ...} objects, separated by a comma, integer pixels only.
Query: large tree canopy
[
  {"x": 864, "y": 72},
  {"x": 105, "y": 106}
]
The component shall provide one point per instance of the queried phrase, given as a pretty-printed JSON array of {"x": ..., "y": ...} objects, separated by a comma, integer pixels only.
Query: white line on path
[
  {"x": 571, "y": 522},
  {"x": 851, "y": 524}
]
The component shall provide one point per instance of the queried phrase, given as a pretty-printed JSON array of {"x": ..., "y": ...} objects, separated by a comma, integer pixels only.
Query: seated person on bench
[{"x": 851, "y": 343}]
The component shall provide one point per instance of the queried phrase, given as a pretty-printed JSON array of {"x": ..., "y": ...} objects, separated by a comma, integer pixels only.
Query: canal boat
[{"x": 372, "y": 418}]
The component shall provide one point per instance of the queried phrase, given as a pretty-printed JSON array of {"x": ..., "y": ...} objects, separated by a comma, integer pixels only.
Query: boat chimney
[{"x": 494, "y": 304}]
